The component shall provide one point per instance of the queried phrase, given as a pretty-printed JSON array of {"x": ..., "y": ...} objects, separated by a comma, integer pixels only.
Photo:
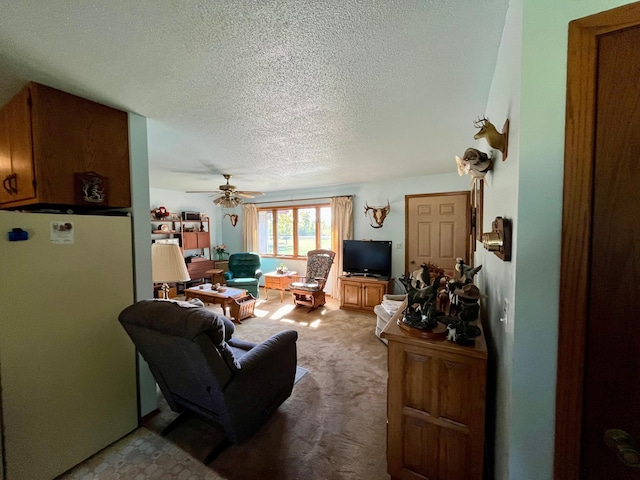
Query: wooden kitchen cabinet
[
  {"x": 436, "y": 397},
  {"x": 57, "y": 149},
  {"x": 362, "y": 293}
]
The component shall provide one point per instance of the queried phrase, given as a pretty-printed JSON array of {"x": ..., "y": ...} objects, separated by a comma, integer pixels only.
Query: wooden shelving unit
[{"x": 199, "y": 239}]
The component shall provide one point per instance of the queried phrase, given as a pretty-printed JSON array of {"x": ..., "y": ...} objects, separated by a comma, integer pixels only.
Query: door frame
[{"x": 577, "y": 227}]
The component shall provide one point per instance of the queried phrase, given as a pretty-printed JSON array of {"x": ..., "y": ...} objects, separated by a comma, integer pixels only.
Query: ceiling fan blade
[
  {"x": 249, "y": 192},
  {"x": 244, "y": 195},
  {"x": 204, "y": 191}
]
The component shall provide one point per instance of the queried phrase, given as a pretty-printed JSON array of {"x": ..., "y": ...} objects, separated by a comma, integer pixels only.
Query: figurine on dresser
[
  {"x": 460, "y": 330},
  {"x": 421, "y": 311}
]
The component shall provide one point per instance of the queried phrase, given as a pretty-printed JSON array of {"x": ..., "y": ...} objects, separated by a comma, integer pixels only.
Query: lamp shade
[{"x": 167, "y": 263}]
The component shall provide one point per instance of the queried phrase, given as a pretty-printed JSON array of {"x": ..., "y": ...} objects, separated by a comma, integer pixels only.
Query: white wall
[
  {"x": 139, "y": 161},
  {"x": 498, "y": 277},
  {"x": 531, "y": 178}
]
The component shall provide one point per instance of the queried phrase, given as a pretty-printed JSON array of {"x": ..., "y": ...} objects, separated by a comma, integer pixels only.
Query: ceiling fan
[{"x": 229, "y": 195}]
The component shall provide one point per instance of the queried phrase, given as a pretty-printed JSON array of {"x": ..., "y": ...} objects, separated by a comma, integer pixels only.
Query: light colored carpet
[{"x": 332, "y": 427}]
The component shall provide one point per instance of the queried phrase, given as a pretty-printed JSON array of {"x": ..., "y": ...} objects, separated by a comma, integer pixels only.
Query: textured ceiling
[{"x": 280, "y": 94}]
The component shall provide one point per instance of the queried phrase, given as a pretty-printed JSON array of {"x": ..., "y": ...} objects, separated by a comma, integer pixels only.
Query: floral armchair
[{"x": 309, "y": 290}]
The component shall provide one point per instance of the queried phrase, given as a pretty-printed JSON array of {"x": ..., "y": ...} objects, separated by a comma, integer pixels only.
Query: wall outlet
[{"x": 504, "y": 317}]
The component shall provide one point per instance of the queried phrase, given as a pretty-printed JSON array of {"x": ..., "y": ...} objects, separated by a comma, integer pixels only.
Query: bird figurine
[
  {"x": 425, "y": 275},
  {"x": 466, "y": 272},
  {"x": 474, "y": 163}
]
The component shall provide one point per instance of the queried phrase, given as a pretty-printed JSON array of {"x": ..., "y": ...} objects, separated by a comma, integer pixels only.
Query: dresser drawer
[{"x": 272, "y": 282}]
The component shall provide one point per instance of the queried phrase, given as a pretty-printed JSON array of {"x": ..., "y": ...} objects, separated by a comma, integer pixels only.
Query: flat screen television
[{"x": 367, "y": 258}]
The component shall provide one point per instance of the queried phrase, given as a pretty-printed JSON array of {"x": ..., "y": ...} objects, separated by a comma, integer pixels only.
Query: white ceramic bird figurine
[{"x": 467, "y": 272}]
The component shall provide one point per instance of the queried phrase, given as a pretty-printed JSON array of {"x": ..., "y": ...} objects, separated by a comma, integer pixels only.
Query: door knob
[{"x": 624, "y": 445}]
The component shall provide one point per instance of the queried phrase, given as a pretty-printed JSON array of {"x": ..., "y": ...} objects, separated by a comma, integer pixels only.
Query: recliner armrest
[
  {"x": 391, "y": 296},
  {"x": 258, "y": 273},
  {"x": 261, "y": 353},
  {"x": 227, "y": 275}
]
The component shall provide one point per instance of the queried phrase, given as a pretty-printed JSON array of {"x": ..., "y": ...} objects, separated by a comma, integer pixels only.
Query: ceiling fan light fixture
[{"x": 228, "y": 201}]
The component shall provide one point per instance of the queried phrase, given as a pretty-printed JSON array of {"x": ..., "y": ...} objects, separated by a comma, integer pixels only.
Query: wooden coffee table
[{"x": 240, "y": 302}]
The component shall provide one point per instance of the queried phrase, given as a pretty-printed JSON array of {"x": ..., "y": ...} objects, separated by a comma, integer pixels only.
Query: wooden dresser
[{"x": 435, "y": 407}]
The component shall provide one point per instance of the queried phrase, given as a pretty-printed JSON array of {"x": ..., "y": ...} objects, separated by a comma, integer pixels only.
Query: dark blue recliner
[
  {"x": 244, "y": 272},
  {"x": 200, "y": 368}
]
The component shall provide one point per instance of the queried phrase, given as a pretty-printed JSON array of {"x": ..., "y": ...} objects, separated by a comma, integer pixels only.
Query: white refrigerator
[{"x": 67, "y": 368}]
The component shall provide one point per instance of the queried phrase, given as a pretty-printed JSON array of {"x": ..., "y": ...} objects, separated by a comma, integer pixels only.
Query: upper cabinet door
[
  {"x": 16, "y": 160},
  {"x": 5, "y": 158}
]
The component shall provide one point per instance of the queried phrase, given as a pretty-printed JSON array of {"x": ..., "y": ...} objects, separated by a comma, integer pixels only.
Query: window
[{"x": 292, "y": 231}]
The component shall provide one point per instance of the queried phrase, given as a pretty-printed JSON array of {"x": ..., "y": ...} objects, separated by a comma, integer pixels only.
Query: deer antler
[
  {"x": 494, "y": 138},
  {"x": 480, "y": 122}
]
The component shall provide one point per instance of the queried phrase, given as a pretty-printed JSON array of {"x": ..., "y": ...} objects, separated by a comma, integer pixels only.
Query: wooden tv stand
[{"x": 362, "y": 293}]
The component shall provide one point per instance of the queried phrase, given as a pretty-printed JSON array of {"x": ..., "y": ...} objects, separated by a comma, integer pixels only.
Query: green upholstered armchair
[{"x": 244, "y": 272}]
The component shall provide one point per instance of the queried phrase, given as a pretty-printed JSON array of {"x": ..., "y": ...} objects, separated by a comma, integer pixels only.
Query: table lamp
[{"x": 167, "y": 265}]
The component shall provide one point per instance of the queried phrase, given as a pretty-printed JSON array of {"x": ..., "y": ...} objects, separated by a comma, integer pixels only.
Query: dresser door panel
[
  {"x": 351, "y": 295},
  {"x": 455, "y": 452},
  {"x": 420, "y": 447},
  {"x": 456, "y": 388},
  {"x": 419, "y": 373}
]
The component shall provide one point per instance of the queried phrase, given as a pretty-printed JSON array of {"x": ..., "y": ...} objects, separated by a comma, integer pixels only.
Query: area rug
[{"x": 300, "y": 372}]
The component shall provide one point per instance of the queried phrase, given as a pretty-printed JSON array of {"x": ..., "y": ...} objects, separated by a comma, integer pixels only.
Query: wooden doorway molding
[{"x": 576, "y": 227}]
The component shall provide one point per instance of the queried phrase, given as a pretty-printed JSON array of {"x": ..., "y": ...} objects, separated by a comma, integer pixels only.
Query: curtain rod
[{"x": 297, "y": 200}]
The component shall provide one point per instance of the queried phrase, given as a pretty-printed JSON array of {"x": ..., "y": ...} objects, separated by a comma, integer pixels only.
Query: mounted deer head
[
  {"x": 377, "y": 214},
  {"x": 495, "y": 139},
  {"x": 232, "y": 217}
]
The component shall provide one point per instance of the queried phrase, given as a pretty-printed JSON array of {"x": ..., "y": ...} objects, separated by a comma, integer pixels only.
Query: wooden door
[
  {"x": 599, "y": 338},
  {"x": 437, "y": 230}
]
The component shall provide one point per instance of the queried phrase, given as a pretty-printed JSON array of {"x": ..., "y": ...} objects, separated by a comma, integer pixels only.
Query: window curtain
[
  {"x": 250, "y": 228},
  {"x": 341, "y": 229}
]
